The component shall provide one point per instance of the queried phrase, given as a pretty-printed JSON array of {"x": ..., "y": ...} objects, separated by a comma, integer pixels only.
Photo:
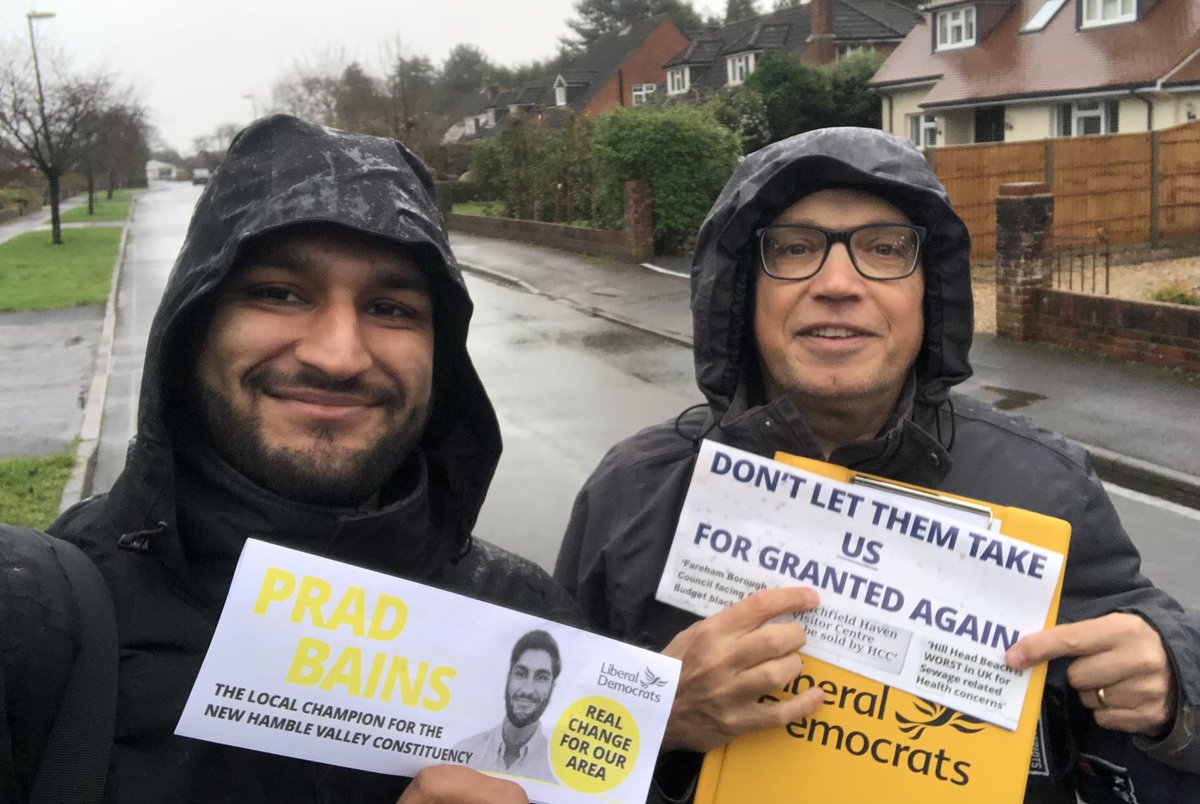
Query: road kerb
[
  {"x": 592, "y": 310},
  {"x": 1148, "y": 478},
  {"x": 79, "y": 484}
]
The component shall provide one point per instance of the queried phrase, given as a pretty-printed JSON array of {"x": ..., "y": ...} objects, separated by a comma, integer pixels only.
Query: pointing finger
[
  {"x": 758, "y": 608},
  {"x": 1074, "y": 639}
]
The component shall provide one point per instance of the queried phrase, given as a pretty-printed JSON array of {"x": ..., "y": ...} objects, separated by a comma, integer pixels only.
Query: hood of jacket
[
  {"x": 280, "y": 172},
  {"x": 769, "y": 181}
]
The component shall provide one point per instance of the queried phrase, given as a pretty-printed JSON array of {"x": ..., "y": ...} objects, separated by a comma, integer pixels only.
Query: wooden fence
[{"x": 1138, "y": 188}]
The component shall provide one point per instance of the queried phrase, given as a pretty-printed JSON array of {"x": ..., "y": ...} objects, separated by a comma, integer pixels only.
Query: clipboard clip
[{"x": 961, "y": 506}]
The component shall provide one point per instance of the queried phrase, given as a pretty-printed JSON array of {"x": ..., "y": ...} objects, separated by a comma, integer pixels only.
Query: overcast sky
[{"x": 192, "y": 62}]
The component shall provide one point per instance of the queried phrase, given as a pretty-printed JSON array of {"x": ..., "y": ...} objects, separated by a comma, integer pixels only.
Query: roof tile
[{"x": 1056, "y": 60}]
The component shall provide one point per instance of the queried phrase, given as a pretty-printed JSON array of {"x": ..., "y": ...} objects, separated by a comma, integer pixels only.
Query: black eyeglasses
[{"x": 881, "y": 251}]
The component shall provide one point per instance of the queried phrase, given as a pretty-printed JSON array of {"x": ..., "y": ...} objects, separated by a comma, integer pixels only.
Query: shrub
[
  {"x": 19, "y": 197},
  {"x": 486, "y": 162},
  {"x": 544, "y": 174},
  {"x": 742, "y": 111},
  {"x": 1177, "y": 294},
  {"x": 796, "y": 96},
  {"x": 683, "y": 152},
  {"x": 849, "y": 101},
  {"x": 445, "y": 193},
  {"x": 466, "y": 190},
  {"x": 800, "y": 98}
]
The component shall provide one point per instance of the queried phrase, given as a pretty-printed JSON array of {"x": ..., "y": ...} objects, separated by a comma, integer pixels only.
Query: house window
[
  {"x": 956, "y": 28},
  {"x": 642, "y": 93},
  {"x": 469, "y": 125},
  {"x": 1108, "y": 12},
  {"x": 678, "y": 80},
  {"x": 560, "y": 94},
  {"x": 1043, "y": 16},
  {"x": 922, "y": 130},
  {"x": 491, "y": 118},
  {"x": 1084, "y": 118},
  {"x": 738, "y": 67},
  {"x": 847, "y": 50}
]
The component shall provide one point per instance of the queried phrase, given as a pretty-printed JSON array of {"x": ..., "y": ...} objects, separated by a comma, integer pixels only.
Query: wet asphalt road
[{"x": 566, "y": 386}]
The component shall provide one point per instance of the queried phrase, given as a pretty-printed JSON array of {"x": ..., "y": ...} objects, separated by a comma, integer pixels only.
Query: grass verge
[
  {"x": 31, "y": 488},
  {"x": 37, "y": 275},
  {"x": 115, "y": 210},
  {"x": 489, "y": 208}
]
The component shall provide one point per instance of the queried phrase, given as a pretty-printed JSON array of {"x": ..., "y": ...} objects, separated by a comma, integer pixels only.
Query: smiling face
[
  {"x": 838, "y": 342},
  {"x": 315, "y": 376},
  {"x": 530, "y": 682}
]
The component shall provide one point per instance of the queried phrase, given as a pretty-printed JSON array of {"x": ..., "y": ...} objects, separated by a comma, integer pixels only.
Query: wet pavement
[
  {"x": 155, "y": 235},
  {"x": 46, "y": 362}
]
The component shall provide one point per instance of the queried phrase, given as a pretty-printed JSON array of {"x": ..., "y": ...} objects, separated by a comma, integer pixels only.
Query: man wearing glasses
[{"x": 831, "y": 299}]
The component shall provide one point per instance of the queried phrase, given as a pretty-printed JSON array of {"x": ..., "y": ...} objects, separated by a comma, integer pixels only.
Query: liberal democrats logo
[
  {"x": 642, "y": 684},
  {"x": 650, "y": 680},
  {"x": 937, "y": 716}
]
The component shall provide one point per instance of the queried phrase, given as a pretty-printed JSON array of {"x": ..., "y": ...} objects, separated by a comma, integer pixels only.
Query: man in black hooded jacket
[
  {"x": 831, "y": 296},
  {"x": 306, "y": 383}
]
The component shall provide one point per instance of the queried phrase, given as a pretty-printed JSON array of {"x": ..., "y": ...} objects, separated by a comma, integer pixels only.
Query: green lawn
[
  {"x": 31, "y": 488},
  {"x": 36, "y": 275},
  {"x": 115, "y": 210}
]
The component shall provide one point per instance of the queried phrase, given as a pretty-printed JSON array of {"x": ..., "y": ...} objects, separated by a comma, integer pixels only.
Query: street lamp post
[
  {"x": 37, "y": 71},
  {"x": 49, "y": 145}
]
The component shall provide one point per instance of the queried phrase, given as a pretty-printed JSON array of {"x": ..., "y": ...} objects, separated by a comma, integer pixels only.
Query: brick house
[
  {"x": 621, "y": 68},
  {"x": 818, "y": 32},
  {"x": 1012, "y": 70}
]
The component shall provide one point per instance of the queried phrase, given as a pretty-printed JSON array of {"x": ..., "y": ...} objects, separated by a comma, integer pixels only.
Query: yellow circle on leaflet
[{"x": 595, "y": 745}]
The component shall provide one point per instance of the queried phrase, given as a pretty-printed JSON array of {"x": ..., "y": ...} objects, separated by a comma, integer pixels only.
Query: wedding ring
[{"x": 1104, "y": 704}]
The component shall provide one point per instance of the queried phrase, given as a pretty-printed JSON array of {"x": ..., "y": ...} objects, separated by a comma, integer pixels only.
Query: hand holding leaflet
[
  {"x": 321, "y": 660},
  {"x": 1118, "y": 653},
  {"x": 450, "y": 784},
  {"x": 920, "y": 597},
  {"x": 731, "y": 659}
]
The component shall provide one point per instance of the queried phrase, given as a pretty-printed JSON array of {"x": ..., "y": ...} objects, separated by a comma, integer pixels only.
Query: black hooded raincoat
[
  {"x": 621, "y": 527},
  {"x": 169, "y": 533}
]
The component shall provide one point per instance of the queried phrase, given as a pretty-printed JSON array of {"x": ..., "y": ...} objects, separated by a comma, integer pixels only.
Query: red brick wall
[
  {"x": 644, "y": 66},
  {"x": 600, "y": 242},
  {"x": 1146, "y": 332},
  {"x": 639, "y": 219}
]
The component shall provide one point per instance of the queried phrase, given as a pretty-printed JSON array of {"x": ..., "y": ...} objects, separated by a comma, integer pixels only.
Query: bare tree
[
  {"x": 409, "y": 84},
  {"x": 310, "y": 90},
  {"x": 210, "y": 148},
  {"x": 117, "y": 146},
  {"x": 54, "y": 135}
]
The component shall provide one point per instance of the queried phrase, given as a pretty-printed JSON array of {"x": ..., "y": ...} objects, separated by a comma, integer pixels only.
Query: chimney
[
  {"x": 493, "y": 92},
  {"x": 820, "y": 33}
]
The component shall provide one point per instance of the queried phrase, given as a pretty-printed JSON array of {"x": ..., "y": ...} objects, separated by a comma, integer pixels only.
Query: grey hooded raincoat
[
  {"x": 624, "y": 517},
  {"x": 168, "y": 535}
]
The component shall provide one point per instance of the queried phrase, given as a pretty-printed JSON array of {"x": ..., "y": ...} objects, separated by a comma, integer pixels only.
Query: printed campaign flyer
[
  {"x": 918, "y": 597},
  {"x": 320, "y": 660}
]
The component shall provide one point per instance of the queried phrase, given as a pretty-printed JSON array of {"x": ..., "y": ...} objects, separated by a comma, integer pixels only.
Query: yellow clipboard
[{"x": 876, "y": 743}]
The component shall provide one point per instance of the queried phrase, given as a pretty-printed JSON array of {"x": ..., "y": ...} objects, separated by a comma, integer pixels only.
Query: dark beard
[
  {"x": 314, "y": 476},
  {"x": 520, "y": 721}
]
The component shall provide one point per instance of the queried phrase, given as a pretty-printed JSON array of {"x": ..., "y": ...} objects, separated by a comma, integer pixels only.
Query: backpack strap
[{"x": 74, "y": 763}]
